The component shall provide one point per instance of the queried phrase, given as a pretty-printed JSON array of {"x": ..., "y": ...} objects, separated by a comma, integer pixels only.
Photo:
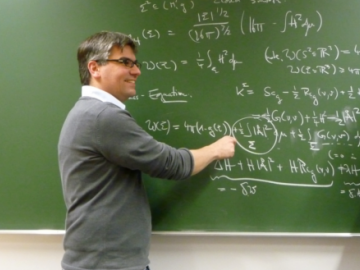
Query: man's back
[
  {"x": 102, "y": 152},
  {"x": 108, "y": 220}
]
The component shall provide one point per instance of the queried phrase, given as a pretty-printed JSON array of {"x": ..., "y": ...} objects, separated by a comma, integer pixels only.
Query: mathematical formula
[{"x": 312, "y": 106}]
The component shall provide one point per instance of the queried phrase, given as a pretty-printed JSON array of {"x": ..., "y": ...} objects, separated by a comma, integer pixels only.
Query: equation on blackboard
[{"x": 308, "y": 98}]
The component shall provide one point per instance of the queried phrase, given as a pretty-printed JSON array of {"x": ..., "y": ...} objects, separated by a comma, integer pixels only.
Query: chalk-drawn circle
[{"x": 256, "y": 135}]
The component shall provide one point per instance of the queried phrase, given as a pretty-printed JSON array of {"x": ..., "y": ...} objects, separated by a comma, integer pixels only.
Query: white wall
[{"x": 43, "y": 252}]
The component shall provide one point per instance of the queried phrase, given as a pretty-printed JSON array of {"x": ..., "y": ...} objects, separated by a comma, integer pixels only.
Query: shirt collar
[{"x": 91, "y": 91}]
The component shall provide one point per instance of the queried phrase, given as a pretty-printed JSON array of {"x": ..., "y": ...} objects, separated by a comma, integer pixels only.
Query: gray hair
[{"x": 98, "y": 47}]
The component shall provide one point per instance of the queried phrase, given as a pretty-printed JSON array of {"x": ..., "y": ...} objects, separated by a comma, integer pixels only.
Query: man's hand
[
  {"x": 221, "y": 149},
  {"x": 224, "y": 147}
]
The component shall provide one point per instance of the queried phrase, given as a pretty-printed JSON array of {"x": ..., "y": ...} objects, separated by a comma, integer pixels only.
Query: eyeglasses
[{"x": 125, "y": 61}]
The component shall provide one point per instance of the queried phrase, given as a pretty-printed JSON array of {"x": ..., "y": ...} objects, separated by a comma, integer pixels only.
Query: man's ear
[{"x": 94, "y": 69}]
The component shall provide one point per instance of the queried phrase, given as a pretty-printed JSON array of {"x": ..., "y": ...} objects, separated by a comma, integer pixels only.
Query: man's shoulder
[{"x": 96, "y": 106}]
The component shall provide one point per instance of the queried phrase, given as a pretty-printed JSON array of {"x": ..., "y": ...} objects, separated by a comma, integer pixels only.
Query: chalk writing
[
  {"x": 267, "y": 1},
  {"x": 292, "y": 21},
  {"x": 182, "y": 6},
  {"x": 332, "y": 52},
  {"x": 211, "y": 61},
  {"x": 298, "y": 86},
  {"x": 174, "y": 96}
]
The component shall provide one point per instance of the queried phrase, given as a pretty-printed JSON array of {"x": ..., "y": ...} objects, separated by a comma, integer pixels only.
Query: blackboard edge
[{"x": 199, "y": 233}]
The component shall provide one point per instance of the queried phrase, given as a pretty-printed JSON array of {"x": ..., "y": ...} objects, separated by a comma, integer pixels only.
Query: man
[{"x": 102, "y": 153}]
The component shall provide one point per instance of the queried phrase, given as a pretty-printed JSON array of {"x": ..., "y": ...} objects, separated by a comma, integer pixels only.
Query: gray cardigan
[{"x": 102, "y": 152}]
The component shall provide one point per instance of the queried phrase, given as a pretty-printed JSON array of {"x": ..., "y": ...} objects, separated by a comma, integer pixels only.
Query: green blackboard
[{"x": 282, "y": 76}]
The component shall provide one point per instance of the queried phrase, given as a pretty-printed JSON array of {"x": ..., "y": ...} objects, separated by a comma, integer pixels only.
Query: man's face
[{"x": 116, "y": 78}]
